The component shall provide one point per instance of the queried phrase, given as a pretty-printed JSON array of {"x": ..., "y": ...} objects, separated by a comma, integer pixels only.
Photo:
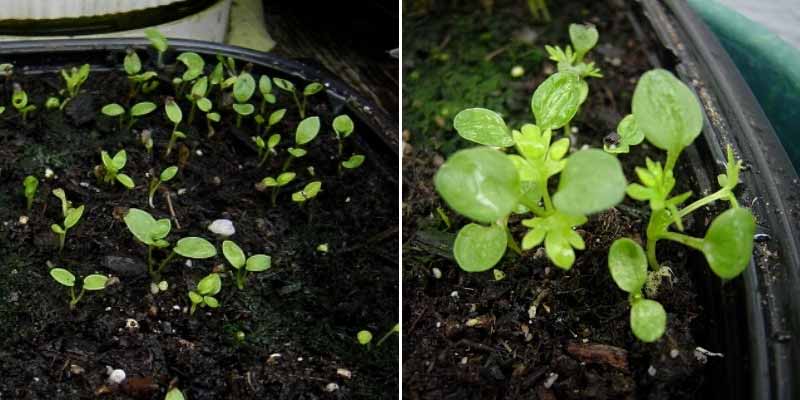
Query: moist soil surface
[
  {"x": 540, "y": 332},
  {"x": 300, "y": 318}
]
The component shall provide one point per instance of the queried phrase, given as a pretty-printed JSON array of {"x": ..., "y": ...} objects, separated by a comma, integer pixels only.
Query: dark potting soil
[
  {"x": 300, "y": 318},
  {"x": 541, "y": 332}
]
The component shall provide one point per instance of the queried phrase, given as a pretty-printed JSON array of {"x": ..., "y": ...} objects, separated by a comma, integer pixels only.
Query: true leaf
[
  {"x": 478, "y": 248},
  {"x": 556, "y": 101},
  {"x": 592, "y": 181},
  {"x": 583, "y": 38},
  {"x": 628, "y": 265},
  {"x": 483, "y": 126}
]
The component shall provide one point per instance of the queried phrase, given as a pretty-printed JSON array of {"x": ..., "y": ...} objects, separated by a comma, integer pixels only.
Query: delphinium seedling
[
  {"x": 670, "y": 116},
  {"x": 159, "y": 42},
  {"x": 165, "y": 176},
  {"x": 274, "y": 118},
  {"x": 153, "y": 232},
  {"x": 628, "y": 134},
  {"x": 194, "y": 64},
  {"x": 265, "y": 89},
  {"x": 244, "y": 265},
  {"x": 571, "y": 58},
  {"x": 71, "y": 217},
  {"x": 487, "y": 185},
  {"x": 138, "y": 110},
  {"x": 197, "y": 96},
  {"x": 266, "y": 148},
  {"x": 175, "y": 115},
  {"x": 30, "y": 184},
  {"x": 19, "y": 99},
  {"x": 306, "y": 131},
  {"x": 309, "y": 191},
  {"x": 74, "y": 79},
  {"x": 140, "y": 81},
  {"x": 276, "y": 183},
  {"x": 243, "y": 90},
  {"x": 203, "y": 296},
  {"x": 93, "y": 282},
  {"x": 310, "y": 90},
  {"x": 110, "y": 170},
  {"x": 343, "y": 127},
  {"x": 52, "y": 103}
]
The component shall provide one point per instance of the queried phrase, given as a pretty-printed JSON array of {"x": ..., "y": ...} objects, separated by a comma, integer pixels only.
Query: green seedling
[
  {"x": 31, "y": 184},
  {"x": 274, "y": 118},
  {"x": 343, "y": 127},
  {"x": 175, "y": 115},
  {"x": 571, "y": 58},
  {"x": 19, "y": 99},
  {"x": 166, "y": 175},
  {"x": 212, "y": 117},
  {"x": 306, "y": 131},
  {"x": 539, "y": 10},
  {"x": 110, "y": 170},
  {"x": 276, "y": 183},
  {"x": 266, "y": 148},
  {"x": 628, "y": 134},
  {"x": 159, "y": 42},
  {"x": 243, "y": 89},
  {"x": 138, "y": 110},
  {"x": 364, "y": 337},
  {"x": 395, "y": 329},
  {"x": 153, "y": 233},
  {"x": 244, "y": 266},
  {"x": 310, "y": 90},
  {"x": 74, "y": 79},
  {"x": 265, "y": 88},
  {"x": 174, "y": 394},
  {"x": 310, "y": 191},
  {"x": 92, "y": 282},
  {"x": 71, "y": 218},
  {"x": 194, "y": 65},
  {"x": 52, "y": 103},
  {"x": 197, "y": 96},
  {"x": 354, "y": 161},
  {"x": 140, "y": 81},
  {"x": 146, "y": 138},
  {"x": 216, "y": 77},
  {"x": 203, "y": 296},
  {"x": 487, "y": 185}
]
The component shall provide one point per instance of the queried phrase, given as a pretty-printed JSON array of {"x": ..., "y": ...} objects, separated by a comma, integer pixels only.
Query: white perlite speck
[
  {"x": 651, "y": 371},
  {"x": 222, "y": 227},
  {"x": 551, "y": 379},
  {"x": 331, "y": 387},
  {"x": 116, "y": 376},
  {"x": 437, "y": 273}
]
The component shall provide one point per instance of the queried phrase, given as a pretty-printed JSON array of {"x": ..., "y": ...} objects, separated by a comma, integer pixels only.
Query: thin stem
[
  {"x": 191, "y": 113},
  {"x": 303, "y": 110},
  {"x": 165, "y": 262},
  {"x": 274, "y": 196},
  {"x": 62, "y": 237},
  {"x": 299, "y": 109},
  {"x": 672, "y": 159},
  {"x": 288, "y": 163},
  {"x": 548, "y": 204},
  {"x": 652, "y": 260},
  {"x": 150, "y": 260},
  {"x": 567, "y": 130},
  {"x": 720, "y": 194},
  {"x": 172, "y": 139},
  {"x": 240, "y": 279},
  {"x": 686, "y": 240},
  {"x": 264, "y": 158},
  {"x": 384, "y": 338},
  {"x": 238, "y": 120}
]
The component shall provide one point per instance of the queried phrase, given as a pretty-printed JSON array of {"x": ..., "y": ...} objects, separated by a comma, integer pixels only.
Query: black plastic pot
[
  {"x": 377, "y": 133},
  {"x": 757, "y": 316}
]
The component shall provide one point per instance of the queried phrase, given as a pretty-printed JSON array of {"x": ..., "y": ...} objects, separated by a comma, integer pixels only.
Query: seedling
[
  {"x": 203, "y": 296},
  {"x": 306, "y": 131},
  {"x": 74, "y": 79},
  {"x": 211, "y": 117},
  {"x": 628, "y": 134},
  {"x": 584, "y": 38},
  {"x": 266, "y": 148},
  {"x": 364, "y": 337},
  {"x": 353, "y": 162},
  {"x": 159, "y": 42},
  {"x": 71, "y": 218},
  {"x": 487, "y": 185},
  {"x": 244, "y": 266},
  {"x": 342, "y": 127},
  {"x": 139, "y": 80},
  {"x": 146, "y": 138},
  {"x": 19, "y": 99},
  {"x": 92, "y": 282},
  {"x": 175, "y": 115},
  {"x": 174, "y": 394},
  {"x": 138, "y": 110},
  {"x": 165, "y": 176},
  {"x": 52, "y": 103},
  {"x": 243, "y": 89},
  {"x": 274, "y": 117},
  {"x": 310, "y": 191},
  {"x": 198, "y": 98},
  {"x": 30, "y": 183},
  {"x": 395, "y": 329},
  {"x": 265, "y": 88},
  {"x": 152, "y": 233},
  {"x": 110, "y": 170},
  {"x": 276, "y": 183},
  {"x": 310, "y": 89}
]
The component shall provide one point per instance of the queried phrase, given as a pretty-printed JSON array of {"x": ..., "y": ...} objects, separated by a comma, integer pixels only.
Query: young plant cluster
[{"x": 489, "y": 186}]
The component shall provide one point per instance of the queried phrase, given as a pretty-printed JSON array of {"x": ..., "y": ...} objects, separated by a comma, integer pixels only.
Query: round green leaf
[
  {"x": 297, "y": 153},
  {"x": 168, "y": 173},
  {"x": 307, "y": 130},
  {"x": 285, "y": 178},
  {"x": 259, "y": 262},
  {"x": 73, "y": 216},
  {"x": 144, "y": 227},
  {"x": 156, "y": 39},
  {"x": 273, "y": 140},
  {"x": 63, "y": 276},
  {"x": 120, "y": 159},
  {"x": 480, "y": 183},
  {"x": 591, "y": 182},
  {"x": 364, "y": 337},
  {"x": 666, "y": 110},
  {"x": 244, "y": 109},
  {"x": 233, "y": 253},
  {"x": 199, "y": 88},
  {"x": 195, "y": 298},
  {"x": 728, "y": 244},
  {"x": 478, "y": 248},
  {"x": 143, "y": 108},
  {"x": 244, "y": 87},
  {"x": 213, "y": 116},
  {"x": 556, "y": 101},
  {"x": 312, "y": 189},
  {"x": 95, "y": 282},
  {"x": 132, "y": 63},
  {"x": 112, "y": 110},
  {"x": 628, "y": 265},
  {"x": 264, "y": 85},
  {"x": 210, "y": 285},
  {"x": 194, "y": 65},
  {"x": 648, "y": 320},
  {"x": 483, "y": 126},
  {"x": 343, "y": 125},
  {"x": 195, "y": 247}
]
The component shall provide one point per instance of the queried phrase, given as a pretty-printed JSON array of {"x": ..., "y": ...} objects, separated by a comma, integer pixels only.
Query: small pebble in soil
[
  {"x": 131, "y": 324},
  {"x": 75, "y": 369},
  {"x": 464, "y": 360},
  {"x": 437, "y": 273},
  {"x": 188, "y": 263},
  {"x": 331, "y": 387},
  {"x": 216, "y": 181},
  {"x": 299, "y": 359},
  {"x": 84, "y": 184},
  {"x": 347, "y": 200},
  {"x": 517, "y": 71},
  {"x": 222, "y": 227},
  {"x": 23, "y": 219},
  {"x": 152, "y": 311},
  {"x": 115, "y": 377},
  {"x": 199, "y": 153},
  {"x": 344, "y": 373},
  {"x": 48, "y": 173},
  {"x": 651, "y": 371},
  {"x": 176, "y": 307},
  {"x": 181, "y": 191},
  {"x": 322, "y": 248},
  {"x": 273, "y": 358},
  {"x": 674, "y": 353},
  {"x": 551, "y": 379},
  {"x": 454, "y": 295}
]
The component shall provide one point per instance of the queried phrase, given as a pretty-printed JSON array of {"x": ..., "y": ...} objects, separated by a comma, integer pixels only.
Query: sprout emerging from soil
[
  {"x": 310, "y": 191},
  {"x": 74, "y": 79},
  {"x": 343, "y": 127},
  {"x": 265, "y": 88},
  {"x": 92, "y": 282},
  {"x": 203, "y": 296},
  {"x": 244, "y": 266},
  {"x": 174, "y": 394},
  {"x": 487, "y": 186},
  {"x": 159, "y": 42},
  {"x": 266, "y": 148},
  {"x": 306, "y": 131},
  {"x": 138, "y": 110},
  {"x": 30, "y": 184},
  {"x": 364, "y": 337},
  {"x": 274, "y": 118},
  {"x": 152, "y": 233},
  {"x": 276, "y": 183},
  {"x": 243, "y": 89},
  {"x": 19, "y": 99},
  {"x": 139, "y": 80},
  {"x": 571, "y": 58},
  {"x": 175, "y": 115},
  {"x": 198, "y": 98},
  {"x": 395, "y": 329},
  {"x": 310, "y": 90},
  {"x": 52, "y": 103},
  {"x": 110, "y": 170},
  {"x": 71, "y": 217},
  {"x": 166, "y": 175}
]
